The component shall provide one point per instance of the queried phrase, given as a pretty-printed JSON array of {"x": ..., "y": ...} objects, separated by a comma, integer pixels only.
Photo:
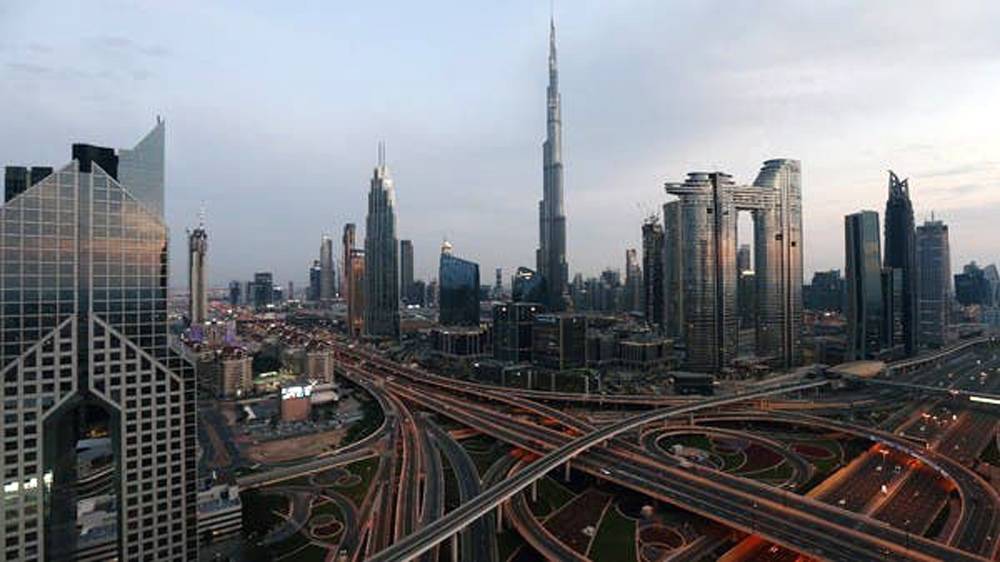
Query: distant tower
[
  {"x": 551, "y": 254},
  {"x": 381, "y": 255},
  {"x": 197, "y": 283},
  {"x": 498, "y": 285},
  {"x": 458, "y": 283},
  {"x": 652, "y": 265},
  {"x": 633, "y": 281},
  {"x": 327, "y": 271},
  {"x": 353, "y": 286},
  {"x": 406, "y": 271},
  {"x": 901, "y": 254}
]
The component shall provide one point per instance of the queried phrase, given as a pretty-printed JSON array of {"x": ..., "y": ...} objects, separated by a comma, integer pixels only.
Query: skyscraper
[
  {"x": 551, "y": 254},
  {"x": 315, "y": 280},
  {"x": 701, "y": 278},
  {"x": 652, "y": 266},
  {"x": 327, "y": 271},
  {"x": 263, "y": 289},
  {"x": 406, "y": 271},
  {"x": 901, "y": 253},
  {"x": 934, "y": 266},
  {"x": 458, "y": 282},
  {"x": 528, "y": 286},
  {"x": 633, "y": 282},
  {"x": 354, "y": 282},
  {"x": 197, "y": 280},
  {"x": 863, "y": 272},
  {"x": 85, "y": 338},
  {"x": 141, "y": 168},
  {"x": 778, "y": 262},
  {"x": 381, "y": 255},
  {"x": 743, "y": 258}
]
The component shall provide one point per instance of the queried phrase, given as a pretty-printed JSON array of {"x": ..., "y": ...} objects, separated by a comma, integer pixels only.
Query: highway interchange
[{"x": 404, "y": 515}]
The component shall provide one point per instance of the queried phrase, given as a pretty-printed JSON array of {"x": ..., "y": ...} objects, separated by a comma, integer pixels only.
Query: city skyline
[{"x": 620, "y": 145}]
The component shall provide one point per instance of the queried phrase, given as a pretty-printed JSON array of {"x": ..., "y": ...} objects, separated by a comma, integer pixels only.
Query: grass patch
[
  {"x": 687, "y": 440},
  {"x": 371, "y": 420},
  {"x": 507, "y": 542},
  {"x": 938, "y": 524},
  {"x": 991, "y": 454},
  {"x": 780, "y": 472},
  {"x": 551, "y": 497},
  {"x": 364, "y": 469},
  {"x": 309, "y": 553},
  {"x": 258, "y": 512},
  {"x": 615, "y": 540}
]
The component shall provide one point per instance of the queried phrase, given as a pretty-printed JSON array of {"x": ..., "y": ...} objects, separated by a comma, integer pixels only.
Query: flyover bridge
[{"x": 439, "y": 530}]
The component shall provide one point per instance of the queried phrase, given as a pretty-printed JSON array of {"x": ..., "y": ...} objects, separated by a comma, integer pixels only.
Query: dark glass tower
[
  {"x": 458, "y": 283},
  {"x": 381, "y": 256},
  {"x": 652, "y": 266},
  {"x": 901, "y": 254},
  {"x": 406, "y": 271},
  {"x": 865, "y": 308},
  {"x": 83, "y": 290},
  {"x": 528, "y": 286}
]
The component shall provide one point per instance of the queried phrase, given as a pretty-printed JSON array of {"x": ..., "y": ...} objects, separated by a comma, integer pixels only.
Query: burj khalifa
[{"x": 551, "y": 253}]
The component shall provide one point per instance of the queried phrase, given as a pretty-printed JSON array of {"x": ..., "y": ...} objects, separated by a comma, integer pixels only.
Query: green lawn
[
  {"x": 551, "y": 497},
  {"x": 364, "y": 468},
  {"x": 991, "y": 454},
  {"x": 258, "y": 511},
  {"x": 615, "y": 540}
]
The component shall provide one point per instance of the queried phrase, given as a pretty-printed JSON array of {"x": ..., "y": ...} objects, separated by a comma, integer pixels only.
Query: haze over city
[{"x": 274, "y": 113}]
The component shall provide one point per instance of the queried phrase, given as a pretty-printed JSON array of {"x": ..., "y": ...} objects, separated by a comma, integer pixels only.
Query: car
[{"x": 605, "y": 472}]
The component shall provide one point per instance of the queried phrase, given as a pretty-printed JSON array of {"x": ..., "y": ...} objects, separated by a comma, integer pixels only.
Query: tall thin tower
[
  {"x": 381, "y": 255},
  {"x": 327, "y": 271},
  {"x": 901, "y": 253},
  {"x": 198, "y": 290},
  {"x": 551, "y": 254}
]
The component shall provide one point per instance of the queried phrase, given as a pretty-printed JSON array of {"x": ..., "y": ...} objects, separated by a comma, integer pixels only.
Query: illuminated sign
[{"x": 290, "y": 392}]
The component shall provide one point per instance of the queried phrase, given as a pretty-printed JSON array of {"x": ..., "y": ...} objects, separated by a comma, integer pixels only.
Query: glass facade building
[
  {"x": 528, "y": 286},
  {"x": 83, "y": 289},
  {"x": 458, "y": 283},
  {"x": 934, "y": 267},
  {"x": 381, "y": 273},
  {"x": 863, "y": 276}
]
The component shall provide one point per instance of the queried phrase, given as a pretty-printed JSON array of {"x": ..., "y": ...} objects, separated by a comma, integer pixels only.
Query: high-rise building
[
  {"x": 458, "y": 282},
  {"x": 528, "y": 286},
  {"x": 327, "y": 271},
  {"x": 356, "y": 293},
  {"x": 934, "y": 267},
  {"x": 406, "y": 270},
  {"x": 633, "y": 282},
  {"x": 498, "y": 285},
  {"x": 235, "y": 298},
  {"x": 974, "y": 287},
  {"x": 826, "y": 292},
  {"x": 559, "y": 341},
  {"x": 652, "y": 266},
  {"x": 197, "y": 278},
  {"x": 512, "y": 330},
  {"x": 17, "y": 179},
  {"x": 381, "y": 255},
  {"x": 551, "y": 254},
  {"x": 263, "y": 289},
  {"x": 901, "y": 253},
  {"x": 702, "y": 281},
  {"x": 315, "y": 281},
  {"x": 863, "y": 272},
  {"x": 141, "y": 168},
  {"x": 85, "y": 349}
]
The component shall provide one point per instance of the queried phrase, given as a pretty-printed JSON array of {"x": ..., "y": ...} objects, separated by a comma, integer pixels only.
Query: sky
[{"x": 274, "y": 111}]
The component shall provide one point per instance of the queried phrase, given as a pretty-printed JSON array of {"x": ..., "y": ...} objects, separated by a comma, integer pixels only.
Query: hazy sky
[{"x": 274, "y": 109}]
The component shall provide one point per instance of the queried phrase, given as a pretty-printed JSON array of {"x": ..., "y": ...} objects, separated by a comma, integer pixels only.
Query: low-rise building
[{"x": 220, "y": 513}]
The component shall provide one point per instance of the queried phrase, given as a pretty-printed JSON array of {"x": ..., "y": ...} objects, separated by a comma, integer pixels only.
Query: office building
[
  {"x": 197, "y": 277},
  {"x": 356, "y": 295},
  {"x": 934, "y": 268},
  {"x": 743, "y": 258},
  {"x": 559, "y": 341},
  {"x": 901, "y": 253},
  {"x": 17, "y": 179},
  {"x": 235, "y": 298},
  {"x": 702, "y": 280},
  {"x": 633, "y": 282},
  {"x": 327, "y": 271},
  {"x": 406, "y": 271},
  {"x": 863, "y": 278},
  {"x": 893, "y": 331},
  {"x": 551, "y": 253},
  {"x": 315, "y": 281},
  {"x": 141, "y": 168},
  {"x": 458, "y": 283},
  {"x": 263, "y": 289},
  {"x": 826, "y": 292},
  {"x": 652, "y": 266},
  {"x": 512, "y": 328},
  {"x": 85, "y": 340},
  {"x": 528, "y": 286},
  {"x": 381, "y": 256},
  {"x": 974, "y": 286}
]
